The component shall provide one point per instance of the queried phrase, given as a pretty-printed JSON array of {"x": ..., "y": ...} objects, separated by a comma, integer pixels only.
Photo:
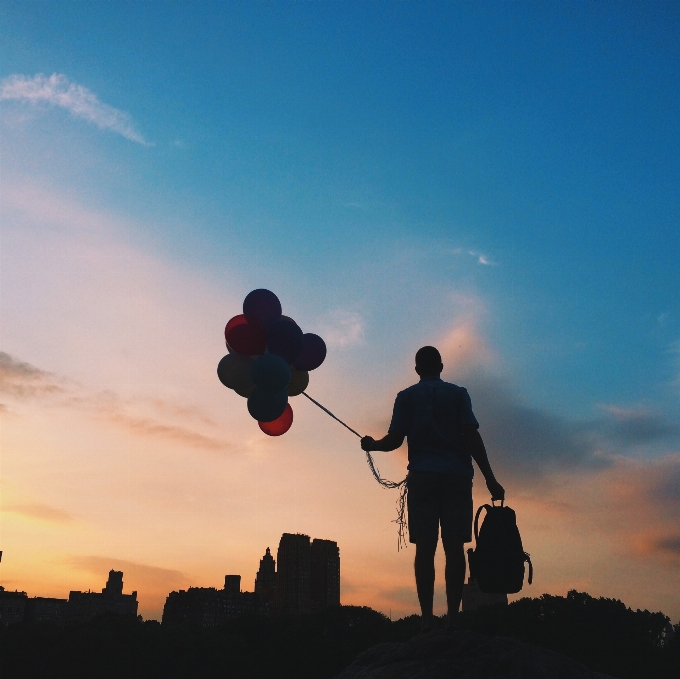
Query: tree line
[{"x": 601, "y": 633}]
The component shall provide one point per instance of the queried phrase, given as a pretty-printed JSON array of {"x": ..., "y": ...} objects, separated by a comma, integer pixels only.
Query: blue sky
[
  {"x": 324, "y": 133},
  {"x": 393, "y": 170}
]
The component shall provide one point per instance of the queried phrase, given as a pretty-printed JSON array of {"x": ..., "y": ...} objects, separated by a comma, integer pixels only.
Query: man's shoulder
[
  {"x": 424, "y": 385},
  {"x": 454, "y": 387}
]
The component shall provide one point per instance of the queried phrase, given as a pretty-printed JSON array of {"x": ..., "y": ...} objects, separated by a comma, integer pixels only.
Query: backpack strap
[
  {"x": 531, "y": 567},
  {"x": 479, "y": 511}
]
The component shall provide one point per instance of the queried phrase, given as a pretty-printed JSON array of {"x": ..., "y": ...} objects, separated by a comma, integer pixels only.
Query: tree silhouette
[{"x": 601, "y": 633}]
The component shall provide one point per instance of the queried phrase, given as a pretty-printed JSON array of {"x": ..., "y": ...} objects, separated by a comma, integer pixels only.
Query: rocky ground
[{"x": 444, "y": 654}]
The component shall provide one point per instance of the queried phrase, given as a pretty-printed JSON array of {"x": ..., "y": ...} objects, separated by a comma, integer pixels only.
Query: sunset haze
[{"x": 500, "y": 180}]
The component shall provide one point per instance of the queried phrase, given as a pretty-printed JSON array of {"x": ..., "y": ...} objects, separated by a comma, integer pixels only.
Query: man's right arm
[
  {"x": 395, "y": 437},
  {"x": 385, "y": 444},
  {"x": 478, "y": 452}
]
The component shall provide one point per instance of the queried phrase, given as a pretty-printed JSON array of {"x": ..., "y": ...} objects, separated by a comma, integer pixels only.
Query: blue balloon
[
  {"x": 267, "y": 406},
  {"x": 284, "y": 339},
  {"x": 270, "y": 373},
  {"x": 312, "y": 354},
  {"x": 263, "y": 305}
]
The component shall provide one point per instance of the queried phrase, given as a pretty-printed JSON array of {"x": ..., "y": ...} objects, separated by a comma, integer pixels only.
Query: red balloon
[
  {"x": 280, "y": 425},
  {"x": 246, "y": 335}
]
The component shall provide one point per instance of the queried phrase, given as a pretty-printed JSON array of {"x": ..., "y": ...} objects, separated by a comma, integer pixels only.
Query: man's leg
[
  {"x": 455, "y": 576},
  {"x": 424, "y": 568}
]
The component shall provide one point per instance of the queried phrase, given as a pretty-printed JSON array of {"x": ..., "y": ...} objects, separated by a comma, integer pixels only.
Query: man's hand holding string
[
  {"x": 367, "y": 443},
  {"x": 385, "y": 444}
]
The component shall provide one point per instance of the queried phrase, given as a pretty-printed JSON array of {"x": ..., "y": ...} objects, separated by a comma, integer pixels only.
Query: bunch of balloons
[{"x": 269, "y": 360}]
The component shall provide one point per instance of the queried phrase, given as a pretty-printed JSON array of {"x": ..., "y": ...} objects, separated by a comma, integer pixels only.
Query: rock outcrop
[{"x": 443, "y": 654}]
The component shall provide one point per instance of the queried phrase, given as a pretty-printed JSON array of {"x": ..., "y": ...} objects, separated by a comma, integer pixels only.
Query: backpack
[{"x": 497, "y": 563}]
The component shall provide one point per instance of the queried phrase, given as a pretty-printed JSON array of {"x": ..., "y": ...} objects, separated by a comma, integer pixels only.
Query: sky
[{"x": 499, "y": 179}]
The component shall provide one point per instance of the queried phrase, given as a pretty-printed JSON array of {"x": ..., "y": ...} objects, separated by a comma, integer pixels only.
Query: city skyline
[
  {"x": 305, "y": 577},
  {"x": 499, "y": 181},
  {"x": 80, "y": 606}
]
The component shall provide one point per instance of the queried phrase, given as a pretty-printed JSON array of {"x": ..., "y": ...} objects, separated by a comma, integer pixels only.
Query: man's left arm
[{"x": 478, "y": 452}]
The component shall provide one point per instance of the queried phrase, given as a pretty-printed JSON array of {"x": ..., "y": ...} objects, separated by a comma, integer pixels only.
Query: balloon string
[
  {"x": 401, "y": 502},
  {"x": 331, "y": 414}
]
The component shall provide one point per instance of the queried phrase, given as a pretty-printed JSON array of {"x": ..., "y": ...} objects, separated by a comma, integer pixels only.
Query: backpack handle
[
  {"x": 479, "y": 511},
  {"x": 531, "y": 568}
]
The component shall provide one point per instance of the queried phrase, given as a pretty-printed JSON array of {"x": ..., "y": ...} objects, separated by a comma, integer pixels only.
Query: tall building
[
  {"x": 232, "y": 585},
  {"x": 207, "y": 606},
  {"x": 265, "y": 580},
  {"x": 293, "y": 575},
  {"x": 85, "y": 605},
  {"x": 46, "y": 609},
  {"x": 325, "y": 573},
  {"x": 12, "y": 606},
  {"x": 203, "y": 606}
]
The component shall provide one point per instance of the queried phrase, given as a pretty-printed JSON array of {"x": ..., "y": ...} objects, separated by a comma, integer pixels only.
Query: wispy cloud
[
  {"x": 25, "y": 380},
  {"x": 147, "y": 427},
  {"x": 464, "y": 350},
  {"x": 647, "y": 497},
  {"x": 638, "y": 425},
  {"x": 671, "y": 544},
  {"x": 527, "y": 442},
  {"x": 342, "y": 328},
  {"x": 480, "y": 257},
  {"x": 651, "y": 543},
  {"x": 22, "y": 380},
  {"x": 58, "y": 90},
  {"x": 36, "y": 510},
  {"x": 160, "y": 577}
]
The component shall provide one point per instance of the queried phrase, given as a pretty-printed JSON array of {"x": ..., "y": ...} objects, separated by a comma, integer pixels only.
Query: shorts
[{"x": 435, "y": 498}]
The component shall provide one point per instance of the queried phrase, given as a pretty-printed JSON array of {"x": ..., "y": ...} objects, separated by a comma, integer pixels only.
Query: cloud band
[{"x": 57, "y": 90}]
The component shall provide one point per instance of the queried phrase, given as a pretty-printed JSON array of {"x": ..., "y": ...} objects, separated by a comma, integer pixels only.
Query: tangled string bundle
[
  {"x": 401, "y": 501},
  {"x": 391, "y": 485}
]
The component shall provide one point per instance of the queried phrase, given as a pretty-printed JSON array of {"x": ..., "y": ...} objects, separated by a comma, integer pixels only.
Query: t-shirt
[{"x": 431, "y": 414}]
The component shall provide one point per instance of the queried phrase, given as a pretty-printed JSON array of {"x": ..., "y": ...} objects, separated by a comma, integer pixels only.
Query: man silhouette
[{"x": 436, "y": 418}]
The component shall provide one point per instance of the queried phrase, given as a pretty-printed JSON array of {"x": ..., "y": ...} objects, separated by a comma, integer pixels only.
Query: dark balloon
[
  {"x": 246, "y": 335},
  {"x": 269, "y": 359},
  {"x": 270, "y": 372},
  {"x": 234, "y": 372},
  {"x": 245, "y": 391},
  {"x": 312, "y": 354},
  {"x": 280, "y": 425},
  {"x": 263, "y": 305},
  {"x": 284, "y": 339},
  {"x": 267, "y": 406},
  {"x": 299, "y": 380}
]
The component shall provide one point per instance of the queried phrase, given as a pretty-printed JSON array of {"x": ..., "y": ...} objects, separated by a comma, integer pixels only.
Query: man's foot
[
  {"x": 451, "y": 622},
  {"x": 426, "y": 624}
]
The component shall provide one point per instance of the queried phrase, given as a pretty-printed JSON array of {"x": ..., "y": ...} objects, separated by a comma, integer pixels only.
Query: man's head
[{"x": 428, "y": 361}]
